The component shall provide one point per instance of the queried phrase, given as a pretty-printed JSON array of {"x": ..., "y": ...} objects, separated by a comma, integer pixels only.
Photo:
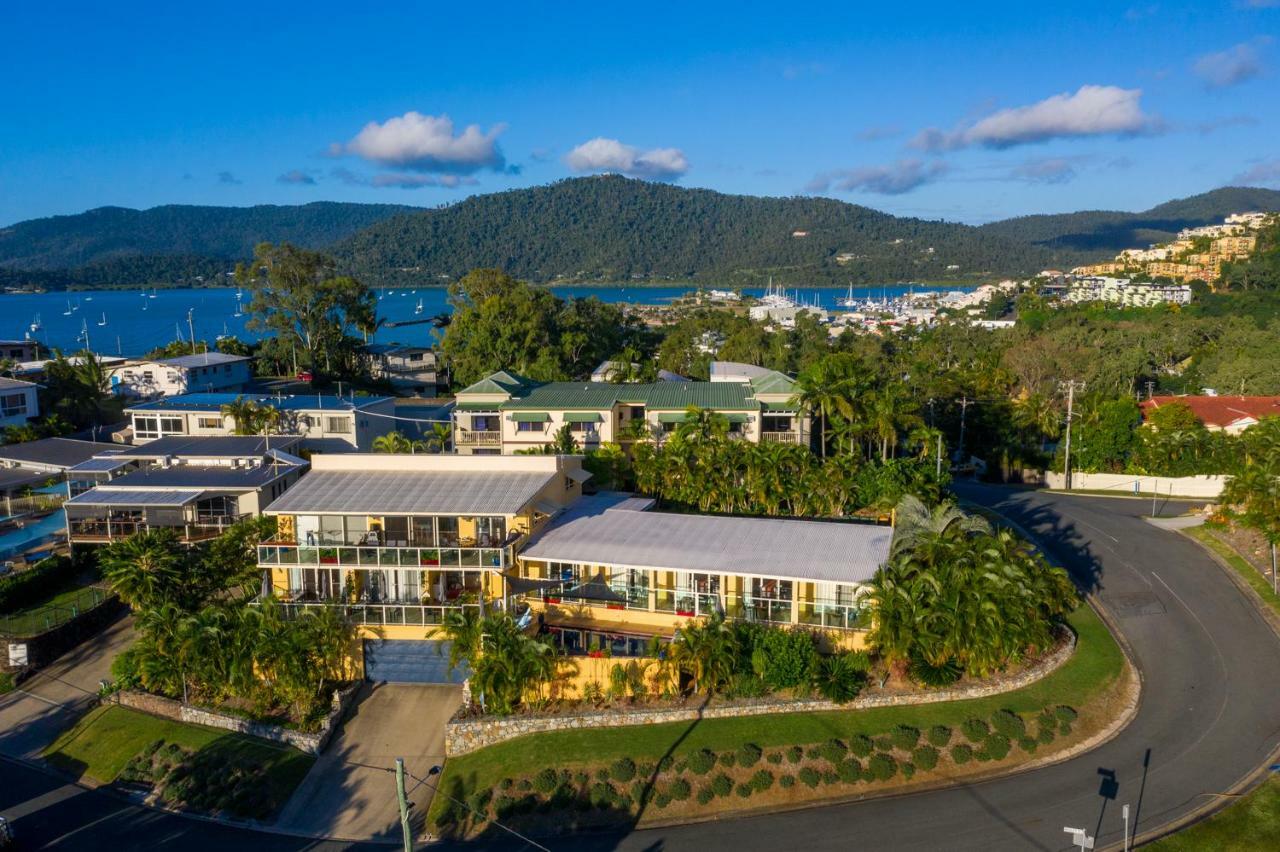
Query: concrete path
[
  {"x": 49, "y": 701},
  {"x": 350, "y": 792}
]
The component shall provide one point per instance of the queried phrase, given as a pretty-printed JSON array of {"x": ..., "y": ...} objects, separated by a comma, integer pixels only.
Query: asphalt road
[{"x": 1208, "y": 718}]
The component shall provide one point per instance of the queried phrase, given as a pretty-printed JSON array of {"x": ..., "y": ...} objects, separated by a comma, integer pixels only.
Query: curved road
[{"x": 1210, "y": 667}]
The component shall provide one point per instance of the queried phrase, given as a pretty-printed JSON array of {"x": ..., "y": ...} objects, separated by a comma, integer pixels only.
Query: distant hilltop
[
  {"x": 604, "y": 228},
  {"x": 1196, "y": 254}
]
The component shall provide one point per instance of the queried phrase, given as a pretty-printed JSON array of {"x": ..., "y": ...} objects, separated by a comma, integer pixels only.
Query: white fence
[{"x": 1208, "y": 487}]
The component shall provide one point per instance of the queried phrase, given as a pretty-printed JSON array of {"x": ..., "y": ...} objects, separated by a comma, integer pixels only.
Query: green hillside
[{"x": 1109, "y": 231}]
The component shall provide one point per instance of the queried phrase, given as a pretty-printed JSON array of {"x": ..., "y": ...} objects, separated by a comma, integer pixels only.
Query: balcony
[
  {"x": 779, "y": 437},
  {"x": 205, "y": 527},
  {"x": 316, "y": 556},
  {"x": 472, "y": 438},
  {"x": 413, "y": 614}
]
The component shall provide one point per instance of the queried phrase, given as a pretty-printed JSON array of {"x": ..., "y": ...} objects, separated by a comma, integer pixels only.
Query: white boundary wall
[{"x": 1128, "y": 483}]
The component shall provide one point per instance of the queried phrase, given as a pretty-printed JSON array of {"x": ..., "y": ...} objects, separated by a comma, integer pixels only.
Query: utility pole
[
  {"x": 1124, "y": 811},
  {"x": 1066, "y": 461},
  {"x": 404, "y": 806},
  {"x": 1275, "y": 587},
  {"x": 191, "y": 327},
  {"x": 938, "y": 474},
  {"x": 1150, "y": 388},
  {"x": 965, "y": 402}
]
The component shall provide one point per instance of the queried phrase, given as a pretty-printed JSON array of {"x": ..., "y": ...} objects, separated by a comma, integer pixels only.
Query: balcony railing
[
  {"x": 103, "y": 529},
  {"x": 779, "y": 437},
  {"x": 381, "y": 557},
  {"x": 471, "y": 438},
  {"x": 383, "y": 613}
]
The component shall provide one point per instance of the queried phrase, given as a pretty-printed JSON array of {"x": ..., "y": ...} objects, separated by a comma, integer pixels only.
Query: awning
[
  {"x": 523, "y": 585},
  {"x": 546, "y": 507},
  {"x": 738, "y": 418},
  {"x": 133, "y": 497},
  {"x": 594, "y": 590},
  {"x": 531, "y": 417},
  {"x": 579, "y": 475},
  {"x": 783, "y": 407},
  {"x": 671, "y": 417},
  {"x": 582, "y": 417}
]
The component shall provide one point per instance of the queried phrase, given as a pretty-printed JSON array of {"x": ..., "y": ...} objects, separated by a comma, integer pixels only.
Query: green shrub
[
  {"x": 525, "y": 785},
  {"x": 840, "y": 677},
  {"x": 602, "y": 795},
  {"x": 21, "y": 589},
  {"x": 975, "y": 730},
  {"x": 1064, "y": 729},
  {"x": 905, "y": 737},
  {"x": 622, "y": 769},
  {"x": 790, "y": 657},
  {"x": 934, "y": 675},
  {"x": 728, "y": 758},
  {"x": 602, "y": 774},
  {"x": 665, "y": 764},
  {"x": 813, "y": 752},
  {"x": 639, "y": 791},
  {"x": 908, "y": 769},
  {"x": 925, "y": 757},
  {"x": 795, "y": 754},
  {"x": 786, "y": 782},
  {"x": 961, "y": 754},
  {"x": 1065, "y": 714},
  {"x": 749, "y": 754},
  {"x": 680, "y": 790},
  {"x": 662, "y": 800},
  {"x": 861, "y": 745},
  {"x": 1046, "y": 735},
  {"x": 479, "y": 800},
  {"x": 833, "y": 751},
  {"x": 996, "y": 747},
  {"x": 580, "y": 778},
  {"x": 774, "y": 757},
  {"x": 762, "y": 780},
  {"x": 1008, "y": 723},
  {"x": 830, "y": 776},
  {"x": 1028, "y": 744},
  {"x": 744, "y": 790},
  {"x": 850, "y": 771},
  {"x": 883, "y": 742},
  {"x": 722, "y": 785},
  {"x": 705, "y": 795},
  {"x": 939, "y": 735},
  {"x": 544, "y": 782},
  {"x": 881, "y": 766},
  {"x": 809, "y": 776},
  {"x": 680, "y": 767},
  {"x": 702, "y": 761}
]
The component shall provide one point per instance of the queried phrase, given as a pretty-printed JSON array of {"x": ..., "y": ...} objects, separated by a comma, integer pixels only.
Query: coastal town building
[
  {"x": 408, "y": 369},
  {"x": 19, "y": 402},
  {"x": 325, "y": 423},
  {"x": 206, "y": 372},
  {"x": 17, "y": 351},
  {"x": 197, "y": 487},
  {"x": 505, "y": 413},
  {"x": 1197, "y": 254},
  {"x": 1125, "y": 291},
  {"x": 1230, "y": 414}
]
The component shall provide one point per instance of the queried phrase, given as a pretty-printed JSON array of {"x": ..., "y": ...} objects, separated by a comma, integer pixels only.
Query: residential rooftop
[
  {"x": 54, "y": 452},
  {"x": 288, "y": 402},
  {"x": 210, "y": 446},
  {"x": 202, "y": 359},
  {"x": 1219, "y": 411},
  {"x": 619, "y": 531},
  {"x": 200, "y": 476},
  {"x": 7, "y": 383}
]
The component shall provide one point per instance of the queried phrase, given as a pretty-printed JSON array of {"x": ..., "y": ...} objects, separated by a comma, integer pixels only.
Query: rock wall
[
  {"x": 169, "y": 708},
  {"x": 463, "y": 735}
]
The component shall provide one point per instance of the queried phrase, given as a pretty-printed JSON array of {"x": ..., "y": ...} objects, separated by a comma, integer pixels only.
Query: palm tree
[
  {"x": 438, "y": 441},
  {"x": 705, "y": 652},
  {"x": 246, "y": 414},
  {"x": 392, "y": 442},
  {"x": 146, "y": 569},
  {"x": 890, "y": 409},
  {"x": 917, "y": 527},
  {"x": 702, "y": 424},
  {"x": 826, "y": 389}
]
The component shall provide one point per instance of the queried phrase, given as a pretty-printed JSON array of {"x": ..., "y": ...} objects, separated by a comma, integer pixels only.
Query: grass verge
[
  {"x": 1091, "y": 673},
  {"x": 52, "y": 612},
  {"x": 107, "y": 739},
  {"x": 1249, "y": 824},
  {"x": 1238, "y": 564}
]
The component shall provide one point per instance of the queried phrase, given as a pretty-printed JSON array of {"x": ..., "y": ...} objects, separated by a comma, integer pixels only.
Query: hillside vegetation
[{"x": 1110, "y": 231}]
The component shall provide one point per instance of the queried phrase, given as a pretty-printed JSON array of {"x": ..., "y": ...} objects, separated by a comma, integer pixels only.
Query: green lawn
[
  {"x": 1096, "y": 664},
  {"x": 107, "y": 738},
  {"x": 52, "y": 612},
  {"x": 1251, "y": 823},
  {"x": 1238, "y": 563}
]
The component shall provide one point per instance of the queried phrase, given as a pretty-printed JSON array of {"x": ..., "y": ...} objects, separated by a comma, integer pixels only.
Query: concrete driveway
[
  {"x": 350, "y": 792},
  {"x": 54, "y": 697}
]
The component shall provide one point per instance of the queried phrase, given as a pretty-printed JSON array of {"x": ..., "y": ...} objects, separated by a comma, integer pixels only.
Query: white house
[
  {"x": 207, "y": 372},
  {"x": 18, "y": 402}
]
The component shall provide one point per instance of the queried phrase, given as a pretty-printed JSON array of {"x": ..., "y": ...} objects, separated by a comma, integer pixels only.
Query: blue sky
[{"x": 967, "y": 112}]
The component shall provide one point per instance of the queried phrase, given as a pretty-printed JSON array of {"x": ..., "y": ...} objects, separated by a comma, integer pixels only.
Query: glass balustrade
[{"x": 389, "y": 557}]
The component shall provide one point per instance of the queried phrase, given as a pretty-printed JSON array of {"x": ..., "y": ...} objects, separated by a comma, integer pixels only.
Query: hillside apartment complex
[
  {"x": 505, "y": 412},
  {"x": 1196, "y": 255},
  {"x": 399, "y": 541}
]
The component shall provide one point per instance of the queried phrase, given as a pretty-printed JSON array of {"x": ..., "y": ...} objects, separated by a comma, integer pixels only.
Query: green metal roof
[
  {"x": 773, "y": 382},
  {"x": 531, "y": 417},
  {"x": 671, "y": 417},
  {"x": 780, "y": 406},
  {"x": 582, "y": 417},
  {"x": 477, "y": 406},
  {"x": 499, "y": 382},
  {"x": 737, "y": 418},
  {"x": 601, "y": 396}
]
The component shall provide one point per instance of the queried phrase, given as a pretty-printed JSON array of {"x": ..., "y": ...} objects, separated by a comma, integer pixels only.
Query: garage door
[{"x": 410, "y": 661}]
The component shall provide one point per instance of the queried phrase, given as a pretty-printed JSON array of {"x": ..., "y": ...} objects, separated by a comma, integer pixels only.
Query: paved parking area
[{"x": 350, "y": 792}]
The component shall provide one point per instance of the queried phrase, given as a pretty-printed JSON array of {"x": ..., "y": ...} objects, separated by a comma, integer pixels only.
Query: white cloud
[
  {"x": 1090, "y": 111},
  {"x": 610, "y": 155},
  {"x": 1231, "y": 66},
  {"x": 426, "y": 143},
  {"x": 1264, "y": 173},
  {"x": 893, "y": 179},
  {"x": 297, "y": 177}
]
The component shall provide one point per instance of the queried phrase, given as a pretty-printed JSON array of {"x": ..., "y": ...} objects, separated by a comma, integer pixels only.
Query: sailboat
[
  {"x": 103, "y": 321},
  {"x": 36, "y": 325},
  {"x": 67, "y": 312},
  {"x": 848, "y": 301},
  {"x": 77, "y": 307},
  {"x": 88, "y": 298},
  {"x": 153, "y": 293},
  {"x": 239, "y": 310},
  {"x": 224, "y": 335},
  {"x": 418, "y": 309}
]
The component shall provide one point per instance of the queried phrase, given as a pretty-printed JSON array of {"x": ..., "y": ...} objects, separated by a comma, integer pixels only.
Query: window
[
  {"x": 171, "y": 425},
  {"x": 12, "y": 404},
  {"x": 484, "y": 423},
  {"x": 146, "y": 426},
  {"x": 338, "y": 425},
  {"x": 583, "y": 428},
  {"x": 523, "y": 426},
  {"x": 209, "y": 422}
]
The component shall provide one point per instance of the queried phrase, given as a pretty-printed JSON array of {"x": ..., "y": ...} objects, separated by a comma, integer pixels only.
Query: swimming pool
[{"x": 47, "y": 530}]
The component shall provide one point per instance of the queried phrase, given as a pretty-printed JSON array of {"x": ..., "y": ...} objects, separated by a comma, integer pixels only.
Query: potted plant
[{"x": 328, "y": 556}]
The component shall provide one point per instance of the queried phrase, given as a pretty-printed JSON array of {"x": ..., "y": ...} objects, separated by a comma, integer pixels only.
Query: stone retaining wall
[
  {"x": 469, "y": 734},
  {"x": 169, "y": 708}
]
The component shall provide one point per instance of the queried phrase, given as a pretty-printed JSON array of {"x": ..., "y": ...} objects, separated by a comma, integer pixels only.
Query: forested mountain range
[
  {"x": 1110, "y": 231},
  {"x": 605, "y": 228}
]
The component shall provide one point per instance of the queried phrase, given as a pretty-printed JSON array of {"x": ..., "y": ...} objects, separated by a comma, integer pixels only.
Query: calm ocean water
[{"x": 130, "y": 322}]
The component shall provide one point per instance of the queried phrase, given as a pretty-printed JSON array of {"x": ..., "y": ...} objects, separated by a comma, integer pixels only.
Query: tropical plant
[
  {"x": 705, "y": 652},
  {"x": 506, "y": 665},
  {"x": 146, "y": 569},
  {"x": 840, "y": 677},
  {"x": 392, "y": 442}
]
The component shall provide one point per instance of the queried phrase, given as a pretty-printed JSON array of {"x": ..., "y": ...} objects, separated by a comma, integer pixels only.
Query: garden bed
[
  {"x": 180, "y": 765},
  {"x": 1091, "y": 685}
]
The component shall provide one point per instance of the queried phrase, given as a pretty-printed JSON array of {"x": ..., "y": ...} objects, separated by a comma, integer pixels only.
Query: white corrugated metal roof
[
  {"x": 601, "y": 531},
  {"x": 133, "y": 497},
  {"x": 412, "y": 492}
]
